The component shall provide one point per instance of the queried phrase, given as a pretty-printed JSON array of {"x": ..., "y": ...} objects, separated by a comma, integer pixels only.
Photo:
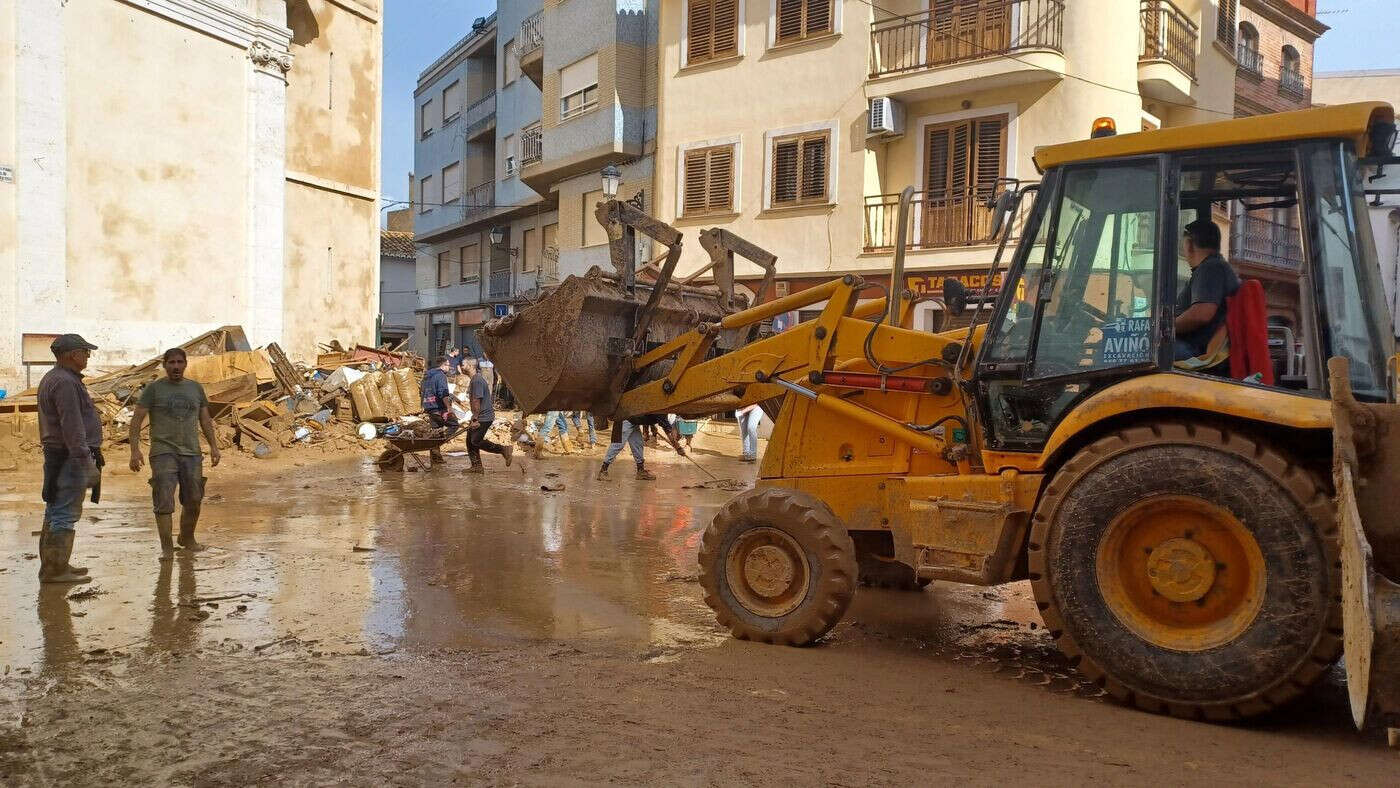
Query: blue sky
[
  {"x": 416, "y": 32},
  {"x": 1364, "y": 34}
]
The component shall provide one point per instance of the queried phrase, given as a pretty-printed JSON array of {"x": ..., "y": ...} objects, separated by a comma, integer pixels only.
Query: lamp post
[
  {"x": 498, "y": 235},
  {"x": 612, "y": 178}
]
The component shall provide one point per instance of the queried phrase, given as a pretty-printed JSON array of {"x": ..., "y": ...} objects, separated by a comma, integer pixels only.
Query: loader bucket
[
  {"x": 1365, "y": 471},
  {"x": 564, "y": 351}
]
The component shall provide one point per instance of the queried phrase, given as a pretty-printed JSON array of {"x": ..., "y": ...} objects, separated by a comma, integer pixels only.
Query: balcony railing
[
  {"x": 500, "y": 285},
  {"x": 964, "y": 30},
  {"x": 1290, "y": 82},
  {"x": 481, "y": 198},
  {"x": 479, "y": 116},
  {"x": 531, "y": 145},
  {"x": 938, "y": 220},
  {"x": 1257, "y": 239},
  {"x": 531, "y": 35},
  {"x": 1169, "y": 34},
  {"x": 1249, "y": 59}
]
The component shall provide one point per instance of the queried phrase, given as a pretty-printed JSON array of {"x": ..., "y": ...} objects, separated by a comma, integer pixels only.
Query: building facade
[
  {"x": 398, "y": 281},
  {"x": 479, "y": 230},
  {"x": 233, "y": 178},
  {"x": 843, "y": 104}
]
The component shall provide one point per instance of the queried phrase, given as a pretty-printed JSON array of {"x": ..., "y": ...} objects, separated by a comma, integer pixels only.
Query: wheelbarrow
[{"x": 392, "y": 458}]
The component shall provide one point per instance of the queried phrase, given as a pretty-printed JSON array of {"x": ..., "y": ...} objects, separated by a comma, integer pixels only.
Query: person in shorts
[{"x": 179, "y": 412}]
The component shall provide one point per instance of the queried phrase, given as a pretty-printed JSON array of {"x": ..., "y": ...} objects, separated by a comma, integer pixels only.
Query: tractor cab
[{"x": 1095, "y": 287}]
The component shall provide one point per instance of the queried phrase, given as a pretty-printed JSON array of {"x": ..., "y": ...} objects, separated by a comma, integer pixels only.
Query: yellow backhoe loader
[{"x": 1200, "y": 541}]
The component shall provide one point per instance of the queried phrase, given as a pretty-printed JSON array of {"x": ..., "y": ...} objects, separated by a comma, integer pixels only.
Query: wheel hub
[
  {"x": 1181, "y": 572},
  {"x": 767, "y": 571},
  {"x": 1181, "y": 569}
]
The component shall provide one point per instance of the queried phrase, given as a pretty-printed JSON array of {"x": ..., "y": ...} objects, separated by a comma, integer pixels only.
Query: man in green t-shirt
[{"x": 179, "y": 412}]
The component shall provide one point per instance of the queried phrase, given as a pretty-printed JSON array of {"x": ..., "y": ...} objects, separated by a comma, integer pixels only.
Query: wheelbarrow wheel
[{"x": 390, "y": 460}]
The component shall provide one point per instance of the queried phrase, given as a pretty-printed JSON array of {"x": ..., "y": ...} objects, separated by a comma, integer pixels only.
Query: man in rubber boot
[
  {"x": 483, "y": 413},
  {"x": 438, "y": 401},
  {"x": 71, "y": 434},
  {"x": 179, "y": 411},
  {"x": 630, "y": 433}
]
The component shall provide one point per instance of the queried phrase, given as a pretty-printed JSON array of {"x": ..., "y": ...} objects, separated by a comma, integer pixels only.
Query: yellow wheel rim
[
  {"x": 1181, "y": 573},
  {"x": 767, "y": 572}
]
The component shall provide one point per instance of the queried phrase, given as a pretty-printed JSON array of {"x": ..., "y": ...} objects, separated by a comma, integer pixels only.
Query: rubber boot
[
  {"x": 165, "y": 530},
  {"x": 602, "y": 473},
  {"x": 44, "y": 529},
  {"x": 43, "y": 553},
  {"x": 508, "y": 453},
  {"x": 644, "y": 474},
  {"x": 57, "y": 548},
  {"x": 476, "y": 467},
  {"x": 189, "y": 516},
  {"x": 436, "y": 456}
]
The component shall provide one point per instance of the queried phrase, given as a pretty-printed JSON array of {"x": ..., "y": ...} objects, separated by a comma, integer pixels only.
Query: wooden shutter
[
  {"x": 989, "y": 155},
  {"x": 814, "y": 160},
  {"x": 726, "y": 27},
  {"x": 818, "y": 17},
  {"x": 696, "y": 175},
  {"x": 700, "y": 31},
  {"x": 789, "y": 20},
  {"x": 1226, "y": 21},
  {"x": 785, "y": 166},
  {"x": 962, "y": 162},
  {"x": 936, "y": 161},
  {"x": 721, "y": 186}
]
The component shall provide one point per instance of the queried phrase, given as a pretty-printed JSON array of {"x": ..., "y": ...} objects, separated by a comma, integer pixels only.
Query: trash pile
[{"x": 261, "y": 402}]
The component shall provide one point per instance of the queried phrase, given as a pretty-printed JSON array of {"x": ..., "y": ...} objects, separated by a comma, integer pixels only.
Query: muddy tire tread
[{"x": 1306, "y": 489}]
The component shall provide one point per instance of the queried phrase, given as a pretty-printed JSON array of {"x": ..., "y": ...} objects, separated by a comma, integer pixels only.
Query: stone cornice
[
  {"x": 1288, "y": 17},
  {"x": 220, "y": 21}
]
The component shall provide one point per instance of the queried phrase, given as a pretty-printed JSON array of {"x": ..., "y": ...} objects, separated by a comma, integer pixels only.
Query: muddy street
[{"x": 348, "y": 626}]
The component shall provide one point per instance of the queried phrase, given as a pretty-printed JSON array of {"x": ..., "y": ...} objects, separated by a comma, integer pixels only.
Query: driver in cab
[{"x": 1200, "y": 308}]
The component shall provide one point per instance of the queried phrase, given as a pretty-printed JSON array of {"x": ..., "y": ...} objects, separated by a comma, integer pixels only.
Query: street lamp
[
  {"x": 612, "y": 178},
  {"x": 498, "y": 235}
]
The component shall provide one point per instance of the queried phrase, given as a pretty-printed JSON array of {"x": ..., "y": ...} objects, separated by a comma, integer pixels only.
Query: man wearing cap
[
  {"x": 71, "y": 434},
  {"x": 179, "y": 412}
]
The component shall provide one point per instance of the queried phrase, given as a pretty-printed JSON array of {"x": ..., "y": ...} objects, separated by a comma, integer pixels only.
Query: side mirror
[
  {"x": 954, "y": 296},
  {"x": 1001, "y": 208}
]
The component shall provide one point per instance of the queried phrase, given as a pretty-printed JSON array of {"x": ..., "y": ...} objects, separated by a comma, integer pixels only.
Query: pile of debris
[{"x": 261, "y": 402}]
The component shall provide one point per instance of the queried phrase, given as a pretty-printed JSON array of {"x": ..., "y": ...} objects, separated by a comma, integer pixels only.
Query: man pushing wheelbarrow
[{"x": 437, "y": 406}]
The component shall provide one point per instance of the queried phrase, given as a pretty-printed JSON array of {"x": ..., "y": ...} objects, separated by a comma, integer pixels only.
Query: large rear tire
[
  {"x": 1189, "y": 570},
  {"x": 777, "y": 566}
]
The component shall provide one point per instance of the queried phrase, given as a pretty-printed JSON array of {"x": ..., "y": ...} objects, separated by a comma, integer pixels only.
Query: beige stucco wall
[
  {"x": 330, "y": 292},
  {"x": 157, "y": 184},
  {"x": 1346, "y": 87},
  {"x": 9, "y": 331},
  {"x": 768, "y": 89}
]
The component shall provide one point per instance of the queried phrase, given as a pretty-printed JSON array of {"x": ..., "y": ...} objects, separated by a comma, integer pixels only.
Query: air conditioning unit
[{"x": 886, "y": 118}]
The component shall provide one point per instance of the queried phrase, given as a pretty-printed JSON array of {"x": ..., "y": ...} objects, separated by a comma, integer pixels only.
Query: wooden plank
[
  {"x": 261, "y": 433},
  {"x": 231, "y": 390},
  {"x": 283, "y": 370}
]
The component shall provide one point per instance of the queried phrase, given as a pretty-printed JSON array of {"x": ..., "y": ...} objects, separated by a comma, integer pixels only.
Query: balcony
[
  {"x": 941, "y": 220},
  {"x": 499, "y": 285},
  {"x": 479, "y": 119},
  {"x": 529, "y": 47},
  {"x": 1251, "y": 63},
  {"x": 531, "y": 145},
  {"x": 1258, "y": 240},
  {"x": 480, "y": 199},
  {"x": 1291, "y": 84},
  {"x": 958, "y": 47},
  {"x": 1167, "y": 55}
]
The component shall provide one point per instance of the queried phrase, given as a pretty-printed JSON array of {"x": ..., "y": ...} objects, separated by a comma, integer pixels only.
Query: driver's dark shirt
[{"x": 1212, "y": 282}]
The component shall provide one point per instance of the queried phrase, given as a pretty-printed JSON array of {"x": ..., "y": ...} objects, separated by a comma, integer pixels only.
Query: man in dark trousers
[
  {"x": 438, "y": 400},
  {"x": 71, "y": 434},
  {"x": 483, "y": 413},
  {"x": 179, "y": 412},
  {"x": 1200, "y": 308}
]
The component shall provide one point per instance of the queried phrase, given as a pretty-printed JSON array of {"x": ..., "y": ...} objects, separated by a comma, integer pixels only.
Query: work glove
[{"x": 91, "y": 474}]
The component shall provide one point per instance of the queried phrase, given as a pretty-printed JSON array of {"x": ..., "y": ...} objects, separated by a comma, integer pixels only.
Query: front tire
[
  {"x": 777, "y": 566},
  {"x": 1190, "y": 570}
]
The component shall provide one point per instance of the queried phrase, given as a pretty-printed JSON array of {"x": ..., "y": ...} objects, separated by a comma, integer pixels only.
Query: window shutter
[
  {"x": 695, "y": 186},
  {"x": 818, "y": 17},
  {"x": 700, "y": 32},
  {"x": 960, "y": 169},
  {"x": 721, "y": 187},
  {"x": 936, "y": 162},
  {"x": 991, "y": 152},
  {"x": 726, "y": 28},
  {"x": 785, "y": 164},
  {"x": 789, "y": 20},
  {"x": 1225, "y": 22},
  {"x": 814, "y": 168}
]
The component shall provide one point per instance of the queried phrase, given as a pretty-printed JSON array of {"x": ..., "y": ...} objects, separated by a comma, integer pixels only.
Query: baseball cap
[{"x": 69, "y": 342}]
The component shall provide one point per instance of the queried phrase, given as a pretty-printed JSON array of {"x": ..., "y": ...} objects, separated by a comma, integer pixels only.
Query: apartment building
[
  {"x": 1273, "y": 45},
  {"x": 796, "y": 123},
  {"x": 593, "y": 63},
  {"x": 480, "y": 232},
  {"x": 167, "y": 168}
]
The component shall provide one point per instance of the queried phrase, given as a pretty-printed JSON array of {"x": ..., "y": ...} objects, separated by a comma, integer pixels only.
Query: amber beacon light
[{"x": 1103, "y": 127}]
